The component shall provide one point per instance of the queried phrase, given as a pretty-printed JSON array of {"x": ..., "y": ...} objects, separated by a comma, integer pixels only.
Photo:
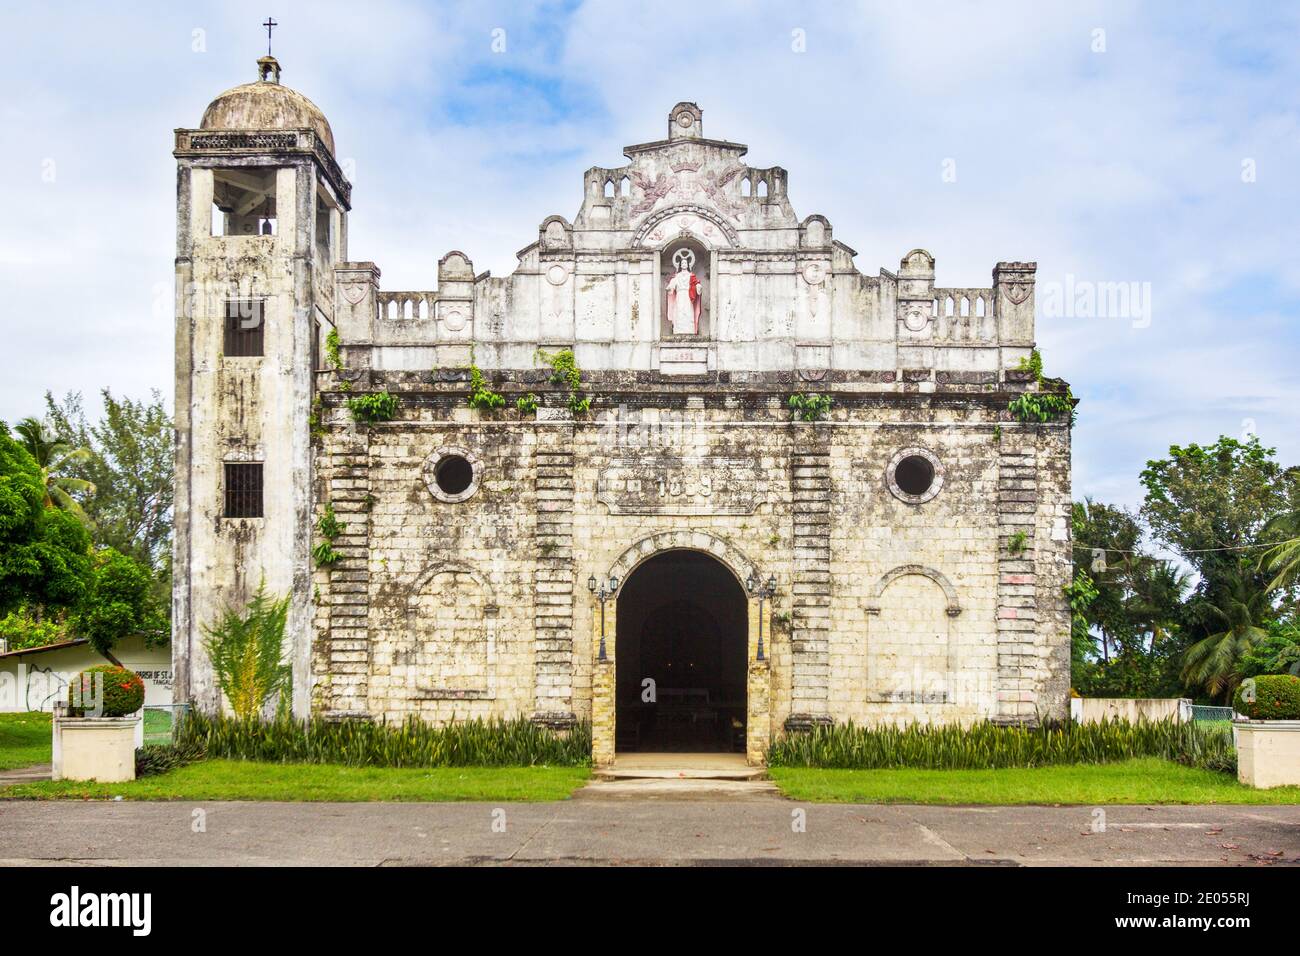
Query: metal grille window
[
  {"x": 244, "y": 327},
  {"x": 243, "y": 490}
]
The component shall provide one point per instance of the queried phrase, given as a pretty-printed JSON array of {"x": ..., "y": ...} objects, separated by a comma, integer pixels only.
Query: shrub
[
  {"x": 491, "y": 743},
  {"x": 480, "y": 396},
  {"x": 23, "y": 628},
  {"x": 246, "y": 651},
  {"x": 121, "y": 600},
  {"x": 373, "y": 407},
  {"x": 1043, "y": 407},
  {"x": 153, "y": 759},
  {"x": 116, "y": 690},
  {"x": 986, "y": 746},
  {"x": 1269, "y": 697},
  {"x": 565, "y": 371},
  {"x": 810, "y": 407}
]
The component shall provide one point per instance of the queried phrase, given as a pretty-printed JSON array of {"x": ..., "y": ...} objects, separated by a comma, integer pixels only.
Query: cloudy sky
[{"x": 1151, "y": 144}]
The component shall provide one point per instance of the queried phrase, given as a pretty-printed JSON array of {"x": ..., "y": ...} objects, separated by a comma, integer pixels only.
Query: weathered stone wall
[
  {"x": 887, "y": 608},
  {"x": 889, "y": 605}
]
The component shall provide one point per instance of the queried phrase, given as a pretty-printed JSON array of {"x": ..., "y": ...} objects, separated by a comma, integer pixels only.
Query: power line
[{"x": 1233, "y": 547}]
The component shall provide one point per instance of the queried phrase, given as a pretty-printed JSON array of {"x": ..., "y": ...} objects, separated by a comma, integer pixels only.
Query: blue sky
[{"x": 1113, "y": 161}]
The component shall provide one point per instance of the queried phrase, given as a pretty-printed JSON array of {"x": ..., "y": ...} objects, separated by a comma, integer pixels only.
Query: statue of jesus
[{"x": 684, "y": 295}]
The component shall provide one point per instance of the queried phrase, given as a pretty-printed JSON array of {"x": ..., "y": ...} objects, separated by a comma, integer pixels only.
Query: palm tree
[
  {"x": 55, "y": 457},
  {"x": 1283, "y": 559},
  {"x": 1211, "y": 663}
]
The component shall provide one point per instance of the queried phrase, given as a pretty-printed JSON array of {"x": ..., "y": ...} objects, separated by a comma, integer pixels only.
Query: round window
[
  {"x": 452, "y": 474},
  {"x": 914, "y": 475}
]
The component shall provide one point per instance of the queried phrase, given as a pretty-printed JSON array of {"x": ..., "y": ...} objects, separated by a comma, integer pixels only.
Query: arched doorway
[{"x": 681, "y": 647}]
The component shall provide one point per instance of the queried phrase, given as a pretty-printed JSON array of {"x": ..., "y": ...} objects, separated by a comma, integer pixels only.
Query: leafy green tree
[
  {"x": 1126, "y": 639},
  {"x": 1211, "y": 505},
  {"x": 44, "y": 552},
  {"x": 1283, "y": 559},
  {"x": 1278, "y": 653},
  {"x": 28, "y": 626},
  {"x": 246, "y": 649},
  {"x": 131, "y": 468},
  {"x": 120, "y": 601},
  {"x": 57, "y": 460}
]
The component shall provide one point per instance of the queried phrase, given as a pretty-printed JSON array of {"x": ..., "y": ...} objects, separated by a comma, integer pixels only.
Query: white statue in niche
[{"x": 684, "y": 295}]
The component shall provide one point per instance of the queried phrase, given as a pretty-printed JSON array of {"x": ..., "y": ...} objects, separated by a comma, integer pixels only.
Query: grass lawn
[
  {"x": 157, "y": 727},
  {"x": 24, "y": 739},
  {"x": 249, "y": 780},
  {"x": 1148, "y": 780}
]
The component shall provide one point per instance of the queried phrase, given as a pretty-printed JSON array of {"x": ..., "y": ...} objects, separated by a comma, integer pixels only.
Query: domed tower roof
[{"x": 267, "y": 104}]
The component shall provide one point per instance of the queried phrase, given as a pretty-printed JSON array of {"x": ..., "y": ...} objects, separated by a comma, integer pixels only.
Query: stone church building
[{"x": 768, "y": 491}]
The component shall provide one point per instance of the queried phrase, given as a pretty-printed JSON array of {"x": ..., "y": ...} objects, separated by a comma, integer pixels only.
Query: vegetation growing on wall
[
  {"x": 332, "y": 355},
  {"x": 810, "y": 406},
  {"x": 480, "y": 396},
  {"x": 329, "y": 528},
  {"x": 1054, "y": 400},
  {"x": 565, "y": 371},
  {"x": 373, "y": 407}
]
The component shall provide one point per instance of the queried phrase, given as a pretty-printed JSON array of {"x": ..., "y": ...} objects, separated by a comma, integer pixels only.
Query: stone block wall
[{"x": 887, "y": 608}]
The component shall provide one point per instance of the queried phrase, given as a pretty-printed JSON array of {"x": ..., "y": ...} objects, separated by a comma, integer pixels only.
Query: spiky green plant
[
  {"x": 985, "y": 746},
  {"x": 496, "y": 742},
  {"x": 246, "y": 649}
]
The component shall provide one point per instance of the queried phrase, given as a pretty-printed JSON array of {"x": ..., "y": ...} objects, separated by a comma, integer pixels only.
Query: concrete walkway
[
  {"x": 684, "y": 776},
  {"x": 40, "y": 771},
  {"x": 623, "y": 831}
]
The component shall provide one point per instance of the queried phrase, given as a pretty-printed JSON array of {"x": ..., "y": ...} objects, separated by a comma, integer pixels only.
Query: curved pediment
[{"x": 674, "y": 222}]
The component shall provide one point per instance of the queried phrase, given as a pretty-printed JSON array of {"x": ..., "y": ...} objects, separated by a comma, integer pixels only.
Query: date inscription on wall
[{"x": 680, "y": 486}]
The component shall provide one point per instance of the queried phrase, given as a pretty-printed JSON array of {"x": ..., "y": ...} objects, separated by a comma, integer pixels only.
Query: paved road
[{"x": 638, "y": 832}]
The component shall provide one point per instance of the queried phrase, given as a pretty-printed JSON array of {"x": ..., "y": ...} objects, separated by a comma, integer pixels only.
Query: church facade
[{"x": 686, "y": 472}]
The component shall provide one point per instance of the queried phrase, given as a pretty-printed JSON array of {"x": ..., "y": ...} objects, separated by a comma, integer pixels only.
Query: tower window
[
  {"x": 243, "y": 201},
  {"x": 245, "y": 322},
  {"x": 243, "y": 490}
]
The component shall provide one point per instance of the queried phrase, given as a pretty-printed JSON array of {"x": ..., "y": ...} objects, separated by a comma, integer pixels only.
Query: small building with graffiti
[{"x": 33, "y": 678}]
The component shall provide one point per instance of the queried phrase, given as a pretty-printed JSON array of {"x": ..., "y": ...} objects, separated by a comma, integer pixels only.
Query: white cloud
[{"x": 1115, "y": 166}]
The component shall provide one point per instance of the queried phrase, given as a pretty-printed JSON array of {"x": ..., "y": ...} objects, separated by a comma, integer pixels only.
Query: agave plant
[
  {"x": 984, "y": 746},
  {"x": 496, "y": 742},
  {"x": 55, "y": 458}
]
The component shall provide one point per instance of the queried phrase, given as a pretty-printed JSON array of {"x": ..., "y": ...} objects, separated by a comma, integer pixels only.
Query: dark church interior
[{"x": 682, "y": 624}]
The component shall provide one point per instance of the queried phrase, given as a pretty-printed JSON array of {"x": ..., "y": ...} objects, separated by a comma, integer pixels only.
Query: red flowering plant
[
  {"x": 105, "y": 691},
  {"x": 1269, "y": 697}
]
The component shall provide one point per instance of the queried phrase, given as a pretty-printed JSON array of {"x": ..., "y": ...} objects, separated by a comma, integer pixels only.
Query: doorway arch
[{"x": 681, "y": 642}]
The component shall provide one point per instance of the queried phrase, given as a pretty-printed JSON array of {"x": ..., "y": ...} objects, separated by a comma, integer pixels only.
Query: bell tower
[{"x": 261, "y": 222}]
